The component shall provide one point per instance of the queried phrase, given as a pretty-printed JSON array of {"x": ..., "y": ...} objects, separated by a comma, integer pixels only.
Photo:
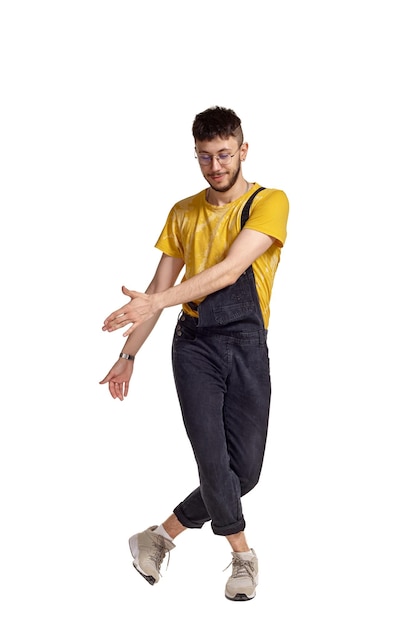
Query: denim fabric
[{"x": 221, "y": 371}]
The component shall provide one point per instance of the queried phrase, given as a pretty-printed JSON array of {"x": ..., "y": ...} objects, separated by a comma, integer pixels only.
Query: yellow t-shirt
[{"x": 201, "y": 234}]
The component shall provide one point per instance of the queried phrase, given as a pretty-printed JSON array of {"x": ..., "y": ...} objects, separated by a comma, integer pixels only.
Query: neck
[{"x": 219, "y": 198}]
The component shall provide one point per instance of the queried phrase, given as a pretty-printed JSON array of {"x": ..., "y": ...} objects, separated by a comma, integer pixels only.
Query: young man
[{"x": 229, "y": 238}]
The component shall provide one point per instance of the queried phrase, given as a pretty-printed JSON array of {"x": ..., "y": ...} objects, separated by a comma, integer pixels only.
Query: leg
[
  {"x": 173, "y": 526},
  {"x": 228, "y": 430},
  {"x": 201, "y": 367},
  {"x": 246, "y": 410},
  {"x": 242, "y": 583},
  {"x": 246, "y": 426},
  {"x": 238, "y": 542}
]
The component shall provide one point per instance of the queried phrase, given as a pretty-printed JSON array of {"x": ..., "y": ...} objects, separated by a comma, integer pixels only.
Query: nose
[{"x": 215, "y": 165}]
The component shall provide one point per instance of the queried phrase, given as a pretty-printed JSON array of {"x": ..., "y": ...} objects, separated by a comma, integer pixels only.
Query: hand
[
  {"x": 118, "y": 378},
  {"x": 137, "y": 311}
]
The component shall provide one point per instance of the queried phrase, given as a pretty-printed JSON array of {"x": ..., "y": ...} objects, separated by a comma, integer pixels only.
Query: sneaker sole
[
  {"x": 150, "y": 579},
  {"x": 240, "y": 597}
]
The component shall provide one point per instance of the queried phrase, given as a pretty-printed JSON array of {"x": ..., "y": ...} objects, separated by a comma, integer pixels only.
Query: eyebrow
[{"x": 218, "y": 151}]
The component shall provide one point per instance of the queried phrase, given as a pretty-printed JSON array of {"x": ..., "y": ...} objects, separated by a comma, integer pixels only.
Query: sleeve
[
  {"x": 169, "y": 240},
  {"x": 269, "y": 214}
]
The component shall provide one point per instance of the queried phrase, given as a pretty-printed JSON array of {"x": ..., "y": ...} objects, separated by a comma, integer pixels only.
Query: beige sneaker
[
  {"x": 148, "y": 550},
  {"x": 244, "y": 578}
]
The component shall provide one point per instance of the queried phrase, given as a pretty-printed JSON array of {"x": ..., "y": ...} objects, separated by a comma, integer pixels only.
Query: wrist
[
  {"x": 157, "y": 302},
  {"x": 128, "y": 357}
]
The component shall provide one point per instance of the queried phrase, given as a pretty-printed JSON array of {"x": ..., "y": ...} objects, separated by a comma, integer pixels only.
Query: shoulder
[
  {"x": 269, "y": 214},
  {"x": 269, "y": 199},
  {"x": 189, "y": 203},
  {"x": 272, "y": 195}
]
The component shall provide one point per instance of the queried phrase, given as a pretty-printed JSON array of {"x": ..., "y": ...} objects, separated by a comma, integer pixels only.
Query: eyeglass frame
[{"x": 216, "y": 156}]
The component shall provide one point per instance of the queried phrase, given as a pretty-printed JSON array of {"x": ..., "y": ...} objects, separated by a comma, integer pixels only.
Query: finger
[
  {"x": 119, "y": 390},
  {"x": 116, "y": 390},
  {"x": 130, "y": 330},
  {"x": 115, "y": 324},
  {"x": 129, "y": 292},
  {"x": 118, "y": 313},
  {"x": 112, "y": 390}
]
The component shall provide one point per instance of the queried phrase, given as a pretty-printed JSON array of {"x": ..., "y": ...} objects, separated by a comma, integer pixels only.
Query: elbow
[{"x": 232, "y": 276}]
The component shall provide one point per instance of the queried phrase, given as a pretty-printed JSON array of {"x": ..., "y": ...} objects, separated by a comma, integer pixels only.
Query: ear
[{"x": 244, "y": 150}]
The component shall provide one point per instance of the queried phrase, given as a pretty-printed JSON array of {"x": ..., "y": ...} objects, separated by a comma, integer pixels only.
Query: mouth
[{"x": 217, "y": 177}]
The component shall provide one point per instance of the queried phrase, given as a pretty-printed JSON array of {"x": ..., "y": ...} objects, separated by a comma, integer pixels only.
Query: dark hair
[{"x": 217, "y": 122}]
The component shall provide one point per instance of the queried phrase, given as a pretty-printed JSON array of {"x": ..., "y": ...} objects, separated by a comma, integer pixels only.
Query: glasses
[{"x": 224, "y": 158}]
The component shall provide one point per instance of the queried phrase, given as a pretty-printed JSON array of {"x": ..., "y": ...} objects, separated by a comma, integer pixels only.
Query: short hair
[{"x": 217, "y": 122}]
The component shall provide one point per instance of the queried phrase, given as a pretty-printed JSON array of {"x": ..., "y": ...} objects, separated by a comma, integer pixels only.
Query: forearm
[
  {"x": 138, "y": 337},
  {"x": 199, "y": 286}
]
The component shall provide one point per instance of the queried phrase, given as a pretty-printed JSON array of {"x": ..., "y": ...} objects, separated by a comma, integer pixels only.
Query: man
[{"x": 229, "y": 238}]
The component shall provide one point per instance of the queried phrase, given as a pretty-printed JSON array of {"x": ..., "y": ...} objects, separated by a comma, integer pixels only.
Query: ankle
[
  {"x": 238, "y": 542},
  {"x": 172, "y": 526},
  {"x": 247, "y": 555},
  {"x": 161, "y": 531}
]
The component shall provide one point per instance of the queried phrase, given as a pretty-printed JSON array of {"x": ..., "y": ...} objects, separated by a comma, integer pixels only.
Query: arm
[
  {"x": 246, "y": 248},
  {"x": 119, "y": 376},
  {"x": 165, "y": 276}
]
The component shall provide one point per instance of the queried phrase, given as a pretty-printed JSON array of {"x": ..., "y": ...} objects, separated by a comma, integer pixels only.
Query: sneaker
[
  {"x": 148, "y": 550},
  {"x": 242, "y": 583}
]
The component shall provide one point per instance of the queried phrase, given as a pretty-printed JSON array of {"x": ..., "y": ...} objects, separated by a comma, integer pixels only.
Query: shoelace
[
  {"x": 160, "y": 551},
  {"x": 241, "y": 568}
]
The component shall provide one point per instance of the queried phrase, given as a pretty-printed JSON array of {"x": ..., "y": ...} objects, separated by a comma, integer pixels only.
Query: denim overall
[{"x": 221, "y": 371}]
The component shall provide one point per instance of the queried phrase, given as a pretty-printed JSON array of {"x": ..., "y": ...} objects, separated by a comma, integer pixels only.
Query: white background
[{"x": 97, "y": 102}]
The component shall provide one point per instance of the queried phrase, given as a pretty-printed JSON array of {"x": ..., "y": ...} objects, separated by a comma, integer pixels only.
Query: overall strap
[{"x": 246, "y": 208}]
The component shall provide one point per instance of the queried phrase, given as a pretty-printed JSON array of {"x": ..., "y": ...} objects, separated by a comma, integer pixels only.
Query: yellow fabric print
[{"x": 218, "y": 227}]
